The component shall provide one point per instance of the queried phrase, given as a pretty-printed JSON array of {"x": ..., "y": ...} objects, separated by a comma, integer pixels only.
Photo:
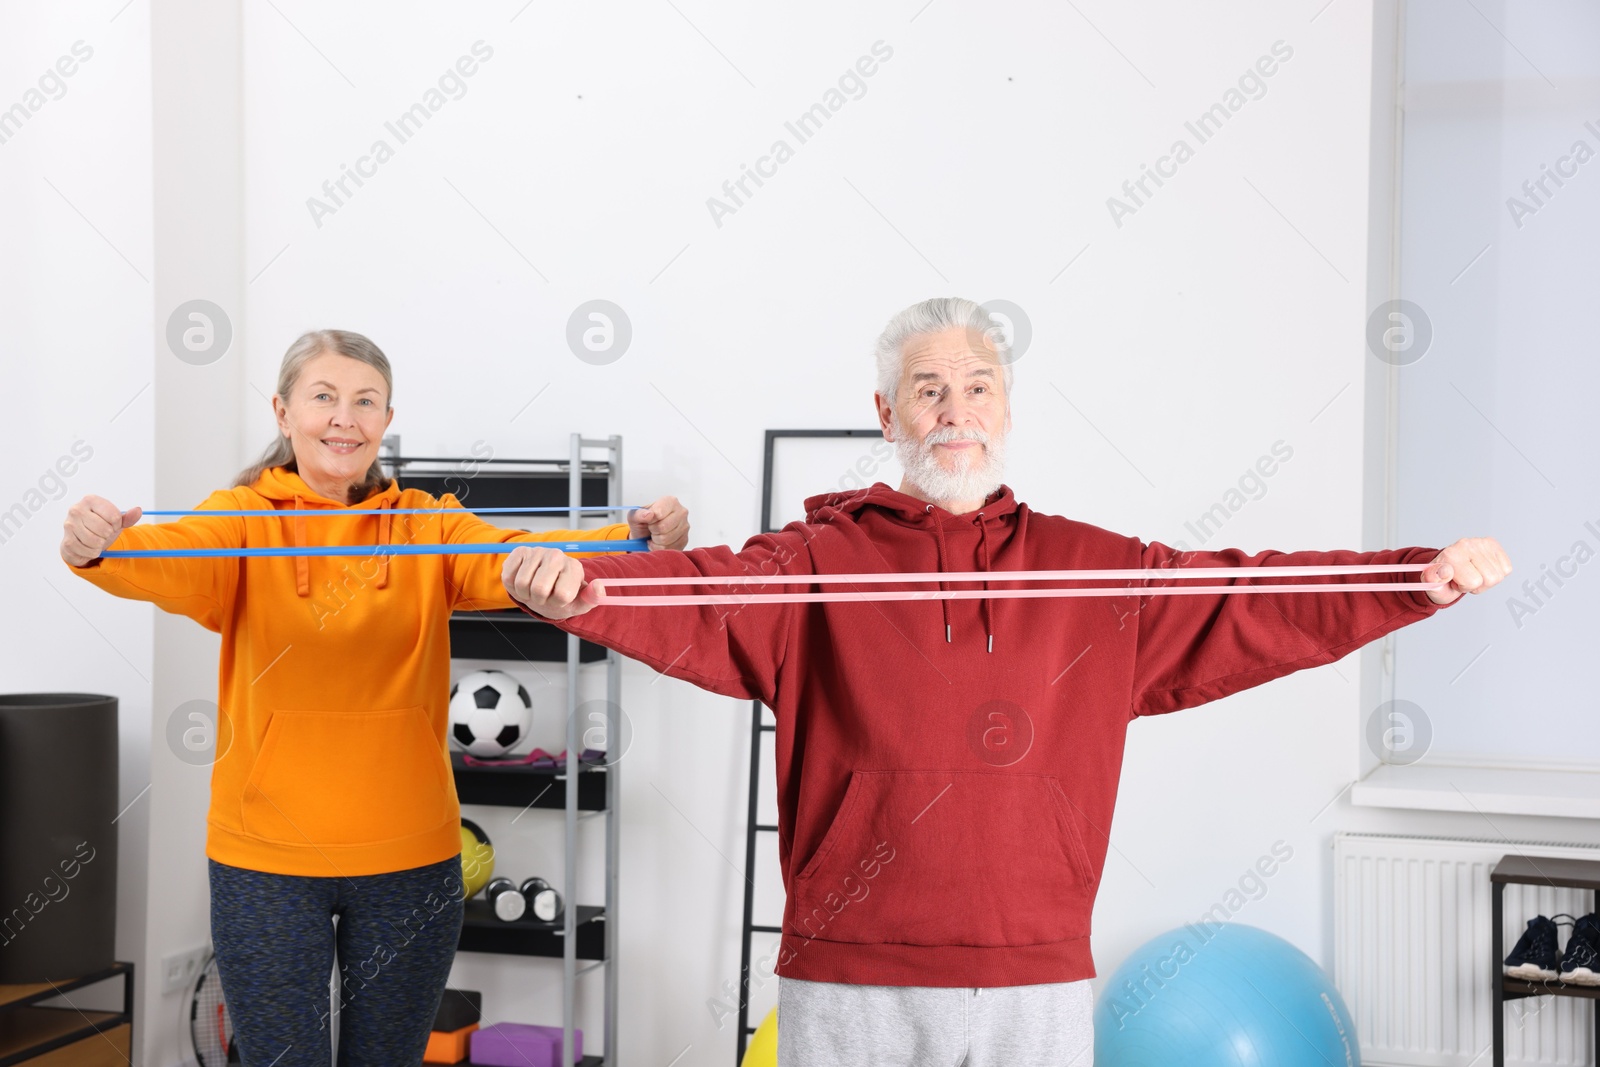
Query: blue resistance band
[
  {"x": 334, "y": 512},
  {"x": 481, "y": 549},
  {"x": 500, "y": 548}
]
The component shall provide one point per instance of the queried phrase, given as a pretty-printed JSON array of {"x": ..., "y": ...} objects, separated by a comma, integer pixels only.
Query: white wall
[
  {"x": 125, "y": 189},
  {"x": 75, "y": 354},
  {"x": 1225, "y": 314}
]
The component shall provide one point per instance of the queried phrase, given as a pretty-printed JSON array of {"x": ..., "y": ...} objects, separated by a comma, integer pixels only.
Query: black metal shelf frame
[
  {"x": 1515, "y": 869},
  {"x": 27, "y": 1006}
]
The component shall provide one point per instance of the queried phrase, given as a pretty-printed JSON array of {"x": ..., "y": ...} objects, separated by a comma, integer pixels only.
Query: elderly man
[{"x": 947, "y": 770}]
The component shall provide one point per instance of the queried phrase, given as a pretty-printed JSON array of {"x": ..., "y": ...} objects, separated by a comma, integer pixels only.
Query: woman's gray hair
[
  {"x": 934, "y": 316},
  {"x": 306, "y": 348}
]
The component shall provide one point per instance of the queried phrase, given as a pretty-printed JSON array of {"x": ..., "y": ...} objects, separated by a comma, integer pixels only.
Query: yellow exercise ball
[
  {"x": 477, "y": 857},
  {"x": 762, "y": 1051}
]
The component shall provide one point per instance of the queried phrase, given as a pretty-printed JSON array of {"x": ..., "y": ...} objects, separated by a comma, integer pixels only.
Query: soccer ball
[{"x": 490, "y": 713}]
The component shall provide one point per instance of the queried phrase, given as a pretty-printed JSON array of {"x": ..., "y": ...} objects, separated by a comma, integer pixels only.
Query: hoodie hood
[
  {"x": 289, "y": 492},
  {"x": 825, "y": 506},
  {"x": 997, "y": 512}
]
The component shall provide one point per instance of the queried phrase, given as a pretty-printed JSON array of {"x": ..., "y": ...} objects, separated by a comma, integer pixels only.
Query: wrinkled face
[
  {"x": 950, "y": 415},
  {"x": 335, "y": 419}
]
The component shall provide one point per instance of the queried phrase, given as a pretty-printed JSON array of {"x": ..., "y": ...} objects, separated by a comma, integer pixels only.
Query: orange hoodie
[{"x": 334, "y": 680}]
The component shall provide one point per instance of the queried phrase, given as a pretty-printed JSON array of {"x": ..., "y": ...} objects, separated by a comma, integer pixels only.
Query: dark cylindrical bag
[{"x": 58, "y": 840}]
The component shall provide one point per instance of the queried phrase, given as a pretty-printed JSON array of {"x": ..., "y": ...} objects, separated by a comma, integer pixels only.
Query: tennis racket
[{"x": 210, "y": 1029}]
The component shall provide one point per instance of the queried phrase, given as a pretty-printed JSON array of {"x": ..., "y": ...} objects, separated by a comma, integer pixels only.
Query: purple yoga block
[{"x": 520, "y": 1045}]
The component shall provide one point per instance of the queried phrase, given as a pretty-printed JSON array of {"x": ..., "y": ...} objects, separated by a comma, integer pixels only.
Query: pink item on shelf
[
  {"x": 521, "y": 1045},
  {"x": 537, "y": 758}
]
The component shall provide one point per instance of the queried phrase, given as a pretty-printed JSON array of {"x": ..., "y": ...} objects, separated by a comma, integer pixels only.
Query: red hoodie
[{"x": 947, "y": 770}]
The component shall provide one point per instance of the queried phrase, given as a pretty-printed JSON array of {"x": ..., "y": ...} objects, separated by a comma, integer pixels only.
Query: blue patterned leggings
[{"x": 276, "y": 940}]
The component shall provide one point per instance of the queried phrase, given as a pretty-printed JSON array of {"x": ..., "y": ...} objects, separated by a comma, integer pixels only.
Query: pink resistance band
[{"x": 598, "y": 590}]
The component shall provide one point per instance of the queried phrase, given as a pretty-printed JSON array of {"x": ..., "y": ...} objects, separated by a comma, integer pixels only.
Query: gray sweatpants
[{"x": 830, "y": 1024}]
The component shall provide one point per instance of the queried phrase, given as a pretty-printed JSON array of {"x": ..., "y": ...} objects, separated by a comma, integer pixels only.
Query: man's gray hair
[{"x": 934, "y": 316}]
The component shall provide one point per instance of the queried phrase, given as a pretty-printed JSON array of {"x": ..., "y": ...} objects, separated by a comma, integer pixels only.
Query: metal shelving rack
[{"x": 585, "y": 932}]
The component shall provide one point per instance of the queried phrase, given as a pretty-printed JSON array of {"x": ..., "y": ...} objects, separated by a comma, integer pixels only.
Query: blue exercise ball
[{"x": 1222, "y": 995}]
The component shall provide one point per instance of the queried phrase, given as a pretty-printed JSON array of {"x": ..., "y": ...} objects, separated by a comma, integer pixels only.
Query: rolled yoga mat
[{"x": 58, "y": 838}]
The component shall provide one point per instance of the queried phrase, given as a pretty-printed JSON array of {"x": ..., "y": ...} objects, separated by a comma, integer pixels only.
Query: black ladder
[{"x": 757, "y": 728}]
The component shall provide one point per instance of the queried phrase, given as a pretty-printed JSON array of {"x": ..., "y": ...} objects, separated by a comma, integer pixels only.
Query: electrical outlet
[{"x": 179, "y": 970}]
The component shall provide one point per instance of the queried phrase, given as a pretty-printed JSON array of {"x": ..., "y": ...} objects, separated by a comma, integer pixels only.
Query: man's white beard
[{"x": 972, "y": 479}]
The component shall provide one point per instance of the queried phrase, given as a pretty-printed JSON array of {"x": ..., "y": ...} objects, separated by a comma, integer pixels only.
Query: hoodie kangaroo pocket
[
  {"x": 346, "y": 778},
  {"x": 975, "y": 858}
]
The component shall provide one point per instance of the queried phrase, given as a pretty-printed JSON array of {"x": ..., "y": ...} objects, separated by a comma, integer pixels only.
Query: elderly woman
[{"x": 331, "y": 793}]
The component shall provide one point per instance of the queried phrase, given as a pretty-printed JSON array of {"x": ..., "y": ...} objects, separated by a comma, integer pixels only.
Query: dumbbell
[
  {"x": 544, "y": 903},
  {"x": 508, "y": 904}
]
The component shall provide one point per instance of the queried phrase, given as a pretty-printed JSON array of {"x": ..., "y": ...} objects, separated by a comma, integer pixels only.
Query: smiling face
[
  {"x": 337, "y": 413},
  {"x": 949, "y": 418}
]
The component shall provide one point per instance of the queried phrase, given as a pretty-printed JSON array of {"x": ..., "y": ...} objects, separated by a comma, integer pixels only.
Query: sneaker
[
  {"x": 1581, "y": 964},
  {"x": 1536, "y": 954}
]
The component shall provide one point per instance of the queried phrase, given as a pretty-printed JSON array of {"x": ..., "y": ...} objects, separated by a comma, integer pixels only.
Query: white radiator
[{"x": 1411, "y": 953}]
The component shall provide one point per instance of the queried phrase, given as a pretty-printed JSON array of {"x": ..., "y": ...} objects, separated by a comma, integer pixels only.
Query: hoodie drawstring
[
  {"x": 984, "y": 605},
  {"x": 938, "y": 531},
  {"x": 383, "y": 538},
  {"x": 302, "y": 572}
]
